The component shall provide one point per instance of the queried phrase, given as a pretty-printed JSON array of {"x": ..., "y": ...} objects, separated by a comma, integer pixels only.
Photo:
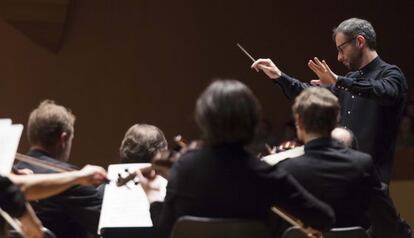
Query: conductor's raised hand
[
  {"x": 322, "y": 70},
  {"x": 268, "y": 67}
]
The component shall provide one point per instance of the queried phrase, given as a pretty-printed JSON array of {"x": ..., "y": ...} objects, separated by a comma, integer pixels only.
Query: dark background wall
[{"x": 126, "y": 61}]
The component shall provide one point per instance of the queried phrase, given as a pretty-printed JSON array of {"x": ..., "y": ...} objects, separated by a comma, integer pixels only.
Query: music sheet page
[
  {"x": 276, "y": 158},
  {"x": 9, "y": 142},
  {"x": 125, "y": 206}
]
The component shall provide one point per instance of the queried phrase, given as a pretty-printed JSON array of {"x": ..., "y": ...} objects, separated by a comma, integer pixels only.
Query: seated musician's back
[
  {"x": 222, "y": 179},
  {"x": 74, "y": 212}
]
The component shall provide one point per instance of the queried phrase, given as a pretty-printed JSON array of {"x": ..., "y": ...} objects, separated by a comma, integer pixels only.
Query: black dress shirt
[
  {"x": 72, "y": 213},
  {"x": 372, "y": 102}
]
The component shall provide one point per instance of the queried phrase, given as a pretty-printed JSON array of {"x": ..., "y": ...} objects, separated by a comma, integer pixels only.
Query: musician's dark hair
[
  {"x": 318, "y": 108},
  {"x": 353, "y": 27},
  {"x": 141, "y": 142},
  {"x": 47, "y": 122},
  {"x": 227, "y": 112}
]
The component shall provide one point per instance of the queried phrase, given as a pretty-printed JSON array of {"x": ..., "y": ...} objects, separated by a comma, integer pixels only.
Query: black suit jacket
[
  {"x": 346, "y": 180},
  {"x": 72, "y": 213},
  {"x": 226, "y": 182}
]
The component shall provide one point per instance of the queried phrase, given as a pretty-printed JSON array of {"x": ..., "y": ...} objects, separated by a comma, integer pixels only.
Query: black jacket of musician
[
  {"x": 346, "y": 180},
  {"x": 225, "y": 181},
  {"x": 72, "y": 213}
]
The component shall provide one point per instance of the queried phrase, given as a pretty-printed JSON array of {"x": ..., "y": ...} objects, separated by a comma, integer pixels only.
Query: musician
[
  {"x": 39, "y": 186},
  {"x": 336, "y": 174},
  {"x": 346, "y": 137},
  {"x": 74, "y": 212},
  {"x": 139, "y": 145},
  {"x": 141, "y": 142},
  {"x": 15, "y": 189},
  {"x": 222, "y": 179},
  {"x": 372, "y": 96},
  {"x": 13, "y": 202}
]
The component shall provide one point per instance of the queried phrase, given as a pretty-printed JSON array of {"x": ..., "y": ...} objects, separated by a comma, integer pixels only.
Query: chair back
[
  {"x": 48, "y": 233},
  {"x": 351, "y": 232},
  {"x": 201, "y": 227},
  {"x": 293, "y": 232},
  {"x": 346, "y": 232}
]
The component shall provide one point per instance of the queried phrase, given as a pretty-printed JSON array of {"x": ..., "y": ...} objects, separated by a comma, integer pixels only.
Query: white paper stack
[{"x": 9, "y": 142}]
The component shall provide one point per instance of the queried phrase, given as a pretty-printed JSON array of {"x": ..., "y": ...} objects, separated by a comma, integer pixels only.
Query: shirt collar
[
  {"x": 38, "y": 153},
  {"x": 321, "y": 142},
  {"x": 371, "y": 65},
  {"x": 44, "y": 155}
]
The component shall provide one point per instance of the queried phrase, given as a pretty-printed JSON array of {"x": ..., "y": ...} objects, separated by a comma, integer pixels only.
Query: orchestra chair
[
  {"x": 202, "y": 227},
  {"x": 15, "y": 234},
  {"x": 345, "y": 232}
]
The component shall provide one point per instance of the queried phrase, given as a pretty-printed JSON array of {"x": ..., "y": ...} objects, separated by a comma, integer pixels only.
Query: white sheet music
[
  {"x": 9, "y": 142},
  {"x": 125, "y": 206},
  {"x": 276, "y": 158}
]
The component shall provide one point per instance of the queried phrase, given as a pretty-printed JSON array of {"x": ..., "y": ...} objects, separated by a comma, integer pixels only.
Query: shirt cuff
[
  {"x": 343, "y": 82},
  {"x": 155, "y": 211},
  {"x": 284, "y": 80}
]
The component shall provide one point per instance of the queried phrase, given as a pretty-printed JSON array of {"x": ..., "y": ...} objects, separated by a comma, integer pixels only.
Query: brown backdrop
[{"x": 126, "y": 61}]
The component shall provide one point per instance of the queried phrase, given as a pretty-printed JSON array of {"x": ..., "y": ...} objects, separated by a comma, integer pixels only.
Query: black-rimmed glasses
[{"x": 340, "y": 47}]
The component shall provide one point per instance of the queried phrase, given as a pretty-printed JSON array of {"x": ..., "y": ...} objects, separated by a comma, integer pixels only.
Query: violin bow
[
  {"x": 15, "y": 224},
  {"x": 42, "y": 163},
  {"x": 294, "y": 222}
]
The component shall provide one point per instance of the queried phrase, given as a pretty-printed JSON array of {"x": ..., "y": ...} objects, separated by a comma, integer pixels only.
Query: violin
[
  {"x": 163, "y": 160},
  {"x": 47, "y": 165},
  {"x": 42, "y": 163}
]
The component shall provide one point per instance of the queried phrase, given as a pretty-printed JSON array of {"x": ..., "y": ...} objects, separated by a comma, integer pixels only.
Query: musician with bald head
[
  {"x": 74, "y": 212},
  {"x": 345, "y": 136}
]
